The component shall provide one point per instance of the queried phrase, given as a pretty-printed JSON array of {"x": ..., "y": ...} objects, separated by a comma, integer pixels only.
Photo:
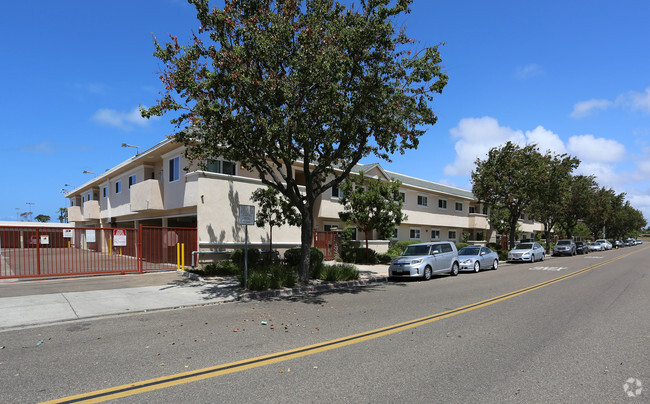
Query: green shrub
[
  {"x": 494, "y": 246},
  {"x": 398, "y": 248},
  {"x": 316, "y": 270},
  {"x": 254, "y": 257},
  {"x": 339, "y": 272},
  {"x": 292, "y": 257},
  {"x": 503, "y": 255},
  {"x": 461, "y": 245},
  {"x": 221, "y": 268},
  {"x": 357, "y": 255},
  {"x": 281, "y": 276},
  {"x": 259, "y": 281},
  {"x": 384, "y": 258}
]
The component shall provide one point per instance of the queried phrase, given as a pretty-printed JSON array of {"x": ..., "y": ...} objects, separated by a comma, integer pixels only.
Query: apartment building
[{"x": 160, "y": 188}]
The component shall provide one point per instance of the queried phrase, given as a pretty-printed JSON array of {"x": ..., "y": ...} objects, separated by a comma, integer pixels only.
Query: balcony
[
  {"x": 90, "y": 210},
  {"x": 74, "y": 214},
  {"x": 146, "y": 196}
]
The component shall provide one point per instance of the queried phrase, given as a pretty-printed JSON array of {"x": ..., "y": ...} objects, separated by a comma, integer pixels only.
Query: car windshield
[
  {"x": 564, "y": 242},
  {"x": 416, "y": 250},
  {"x": 524, "y": 246},
  {"x": 469, "y": 251}
]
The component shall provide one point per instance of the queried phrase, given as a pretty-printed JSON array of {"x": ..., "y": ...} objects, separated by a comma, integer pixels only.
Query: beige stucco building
[{"x": 160, "y": 188}]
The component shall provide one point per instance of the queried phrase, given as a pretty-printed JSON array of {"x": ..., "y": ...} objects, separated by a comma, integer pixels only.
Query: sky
[{"x": 570, "y": 76}]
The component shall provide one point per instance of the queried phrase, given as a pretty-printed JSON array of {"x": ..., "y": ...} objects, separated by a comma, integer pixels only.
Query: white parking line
[{"x": 546, "y": 268}]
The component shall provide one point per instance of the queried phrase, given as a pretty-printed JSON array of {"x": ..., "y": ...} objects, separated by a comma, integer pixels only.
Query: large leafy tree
[
  {"x": 553, "y": 183},
  {"x": 280, "y": 84},
  {"x": 372, "y": 204},
  {"x": 508, "y": 181},
  {"x": 577, "y": 204},
  {"x": 42, "y": 218},
  {"x": 601, "y": 215}
]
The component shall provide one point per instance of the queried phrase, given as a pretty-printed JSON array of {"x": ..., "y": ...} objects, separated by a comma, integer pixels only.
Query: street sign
[
  {"x": 246, "y": 214},
  {"x": 67, "y": 233}
]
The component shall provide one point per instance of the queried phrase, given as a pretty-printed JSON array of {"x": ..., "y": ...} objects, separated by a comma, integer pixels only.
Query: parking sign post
[{"x": 246, "y": 217}]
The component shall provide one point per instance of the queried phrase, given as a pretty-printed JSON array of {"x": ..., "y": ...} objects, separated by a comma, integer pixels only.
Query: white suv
[
  {"x": 606, "y": 244},
  {"x": 425, "y": 259}
]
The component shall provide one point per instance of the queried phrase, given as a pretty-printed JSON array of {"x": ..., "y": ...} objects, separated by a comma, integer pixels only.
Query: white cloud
[
  {"x": 633, "y": 100},
  {"x": 528, "y": 71},
  {"x": 476, "y": 137},
  {"x": 120, "y": 119},
  {"x": 584, "y": 108},
  {"x": 545, "y": 140},
  {"x": 596, "y": 150},
  {"x": 38, "y": 148}
]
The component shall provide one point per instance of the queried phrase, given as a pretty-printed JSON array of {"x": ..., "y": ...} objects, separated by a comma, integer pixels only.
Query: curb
[{"x": 247, "y": 296}]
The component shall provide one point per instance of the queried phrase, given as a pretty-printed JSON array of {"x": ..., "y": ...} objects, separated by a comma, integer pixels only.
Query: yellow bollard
[
  {"x": 110, "y": 246},
  {"x": 178, "y": 256},
  {"x": 183, "y": 256}
]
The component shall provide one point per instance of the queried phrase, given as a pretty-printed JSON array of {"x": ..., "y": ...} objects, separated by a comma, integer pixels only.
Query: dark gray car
[{"x": 564, "y": 247}]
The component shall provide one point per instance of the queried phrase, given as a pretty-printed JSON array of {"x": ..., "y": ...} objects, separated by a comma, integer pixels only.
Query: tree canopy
[
  {"x": 275, "y": 84},
  {"x": 372, "y": 204}
]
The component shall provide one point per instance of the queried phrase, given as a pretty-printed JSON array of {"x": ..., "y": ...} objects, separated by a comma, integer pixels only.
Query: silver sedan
[
  {"x": 529, "y": 251},
  {"x": 476, "y": 258}
]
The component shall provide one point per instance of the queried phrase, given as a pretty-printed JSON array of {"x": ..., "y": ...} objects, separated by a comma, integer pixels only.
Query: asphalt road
[{"x": 557, "y": 338}]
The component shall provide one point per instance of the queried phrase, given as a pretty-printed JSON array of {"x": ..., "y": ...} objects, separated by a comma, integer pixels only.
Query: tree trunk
[
  {"x": 367, "y": 250},
  {"x": 271, "y": 245},
  {"x": 547, "y": 235},
  {"x": 513, "y": 234},
  {"x": 306, "y": 236}
]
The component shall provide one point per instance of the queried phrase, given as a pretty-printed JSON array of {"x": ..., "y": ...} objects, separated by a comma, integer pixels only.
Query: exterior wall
[{"x": 219, "y": 197}]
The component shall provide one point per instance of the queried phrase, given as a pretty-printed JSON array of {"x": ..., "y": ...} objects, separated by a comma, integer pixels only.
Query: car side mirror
[{"x": 435, "y": 252}]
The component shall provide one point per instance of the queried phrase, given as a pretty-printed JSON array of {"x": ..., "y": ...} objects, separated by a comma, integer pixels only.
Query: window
[
  {"x": 221, "y": 167},
  {"x": 402, "y": 196},
  {"x": 336, "y": 192},
  {"x": 83, "y": 199},
  {"x": 330, "y": 227},
  {"x": 472, "y": 209},
  {"x": 442, "y": 204},
  {"x": 452, "y": 235},
  {"x": 118, "y": 187},
  {"x": 131, "y": 180},
  {"x": 174, "y": 169},
  {"x": 435, "y": 234},
  {"x": 394, "y": 235},
  {"x": 105, "y": 192},
  {"x": 459, "y": 206},
  {"x": 414, "y": 234},
  {"x": 485, "y": 209},
  {"x": 445, "y": 248},
  {"x": 422, "y": 200}
]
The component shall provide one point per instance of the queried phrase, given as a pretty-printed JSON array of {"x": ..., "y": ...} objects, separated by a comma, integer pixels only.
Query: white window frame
[
  {"x": 423, "y": 200},
  {"x": 449, "y": 237},
  {"x": 442, "y": 202},
  {"x": 435, "y": 232},
  {"x": 336, "y": 192},
  {"x": 105, "y": 192},
  {"x": 118, "y": 187},
  {"x": 415, "y": 231},
  {"x": 395, "y": 234},
  {"x": 132, "y": 180},
  {"x": 456, "y": 206}
]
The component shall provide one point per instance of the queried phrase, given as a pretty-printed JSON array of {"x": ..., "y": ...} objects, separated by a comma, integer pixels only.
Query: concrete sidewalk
[{"x": 47, "y": 301}]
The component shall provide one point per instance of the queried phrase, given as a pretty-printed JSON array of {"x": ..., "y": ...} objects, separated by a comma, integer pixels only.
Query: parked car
[
  {"x": 425, "y": 259},
  {"x": 596, "y": 246},
  {"x": 582, "y": 247},
  {"x": 564, "y": 247},
  {"x": 527, "y": 252},
  {"x": 475, "y": 258},
  {"x": 605, "y": 243},
  {"x": 618, "y": 244}
]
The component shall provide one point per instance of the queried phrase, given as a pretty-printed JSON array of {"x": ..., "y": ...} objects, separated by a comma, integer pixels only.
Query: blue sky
[{"x": 570, "y": 76}]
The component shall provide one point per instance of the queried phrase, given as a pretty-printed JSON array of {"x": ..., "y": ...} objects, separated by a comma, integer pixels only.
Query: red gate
[
  {"x": 56, "y": 251},
  {"x": 327, "y": 242}
]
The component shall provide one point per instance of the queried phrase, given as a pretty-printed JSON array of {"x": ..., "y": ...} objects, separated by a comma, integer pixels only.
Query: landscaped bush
[
  {"x": 398, "y": 248},
  {"x": 357, "y": 255},
  {"x": 282, "y": 276},
  {"x": 258, "y": 281},
  {"x": 339, "y": 272},
  {"x": 221, "y": 268},
  {"x": 461, "y": 245},
  {"x": 254, "y": 257},
  {"x": 384, "y": 258},
  {"x": 503, "y": 255},
  {"x": 292, "y": 257}
]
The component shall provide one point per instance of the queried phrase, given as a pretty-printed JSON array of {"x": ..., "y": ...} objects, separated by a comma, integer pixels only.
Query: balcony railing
[{"x": 146, "y": 195}]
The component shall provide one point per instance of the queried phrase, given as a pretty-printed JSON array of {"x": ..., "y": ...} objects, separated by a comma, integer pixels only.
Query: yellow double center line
[{"x": 192, "y": 376}]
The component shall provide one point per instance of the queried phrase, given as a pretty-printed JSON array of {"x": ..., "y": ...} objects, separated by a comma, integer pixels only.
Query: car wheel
[
  {"x": 454, "y": 269},
  {"x": 532, "y": 258},
  {"x": 477, "y": 266},
  {"x": 427, "y": 273},
  {"x": 495, "y": 265},
  {"x": 543, "y": 256}
]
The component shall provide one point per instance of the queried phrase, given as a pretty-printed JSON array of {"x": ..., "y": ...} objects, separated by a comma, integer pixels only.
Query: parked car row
[{"x": 423, "y": 260}]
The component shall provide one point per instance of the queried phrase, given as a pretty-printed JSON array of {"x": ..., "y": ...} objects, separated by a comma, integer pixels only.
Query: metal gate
[
  {"x": 54, "y": 251},
  {"x": 328, "y": 242}
]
